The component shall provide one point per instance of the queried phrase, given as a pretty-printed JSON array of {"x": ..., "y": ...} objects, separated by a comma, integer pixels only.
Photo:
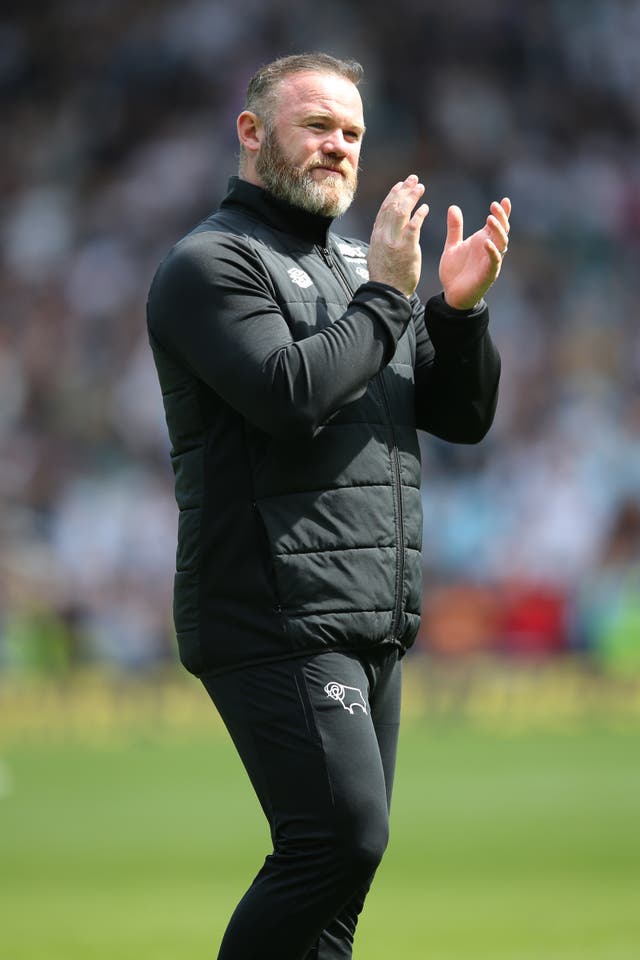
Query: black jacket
[{"x": 292, "y": 390}]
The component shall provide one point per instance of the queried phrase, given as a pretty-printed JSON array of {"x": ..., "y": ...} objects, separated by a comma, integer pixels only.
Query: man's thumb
[{"x": 454, "y": 225}]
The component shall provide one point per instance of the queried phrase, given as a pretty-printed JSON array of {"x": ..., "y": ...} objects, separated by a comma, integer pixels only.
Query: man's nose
[{"x": 335, "y": 144}]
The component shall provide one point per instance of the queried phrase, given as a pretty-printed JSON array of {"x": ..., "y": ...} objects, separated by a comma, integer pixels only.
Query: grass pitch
[{"x": 505, "y": 847}]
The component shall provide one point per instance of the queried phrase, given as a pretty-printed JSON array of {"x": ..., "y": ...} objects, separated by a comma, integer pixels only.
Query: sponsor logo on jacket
[
  {"x": 299, "y": 277},
  {"x": 356, "y": 257}
]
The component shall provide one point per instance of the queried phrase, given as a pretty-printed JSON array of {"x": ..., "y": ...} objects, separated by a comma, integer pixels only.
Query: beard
[{"x": 330, "y": 197}]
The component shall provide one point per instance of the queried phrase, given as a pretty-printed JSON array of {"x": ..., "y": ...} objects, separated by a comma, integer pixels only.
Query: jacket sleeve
[
  {"x": 212, "y": 306},
  {"x": 457, "y": 371}
]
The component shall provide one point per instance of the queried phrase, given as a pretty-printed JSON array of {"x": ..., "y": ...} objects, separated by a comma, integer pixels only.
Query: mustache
[{"x": 320, "y": 165}]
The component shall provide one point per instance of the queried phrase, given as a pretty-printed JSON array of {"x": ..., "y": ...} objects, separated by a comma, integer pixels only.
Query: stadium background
[{"x": 117, "y": 123}]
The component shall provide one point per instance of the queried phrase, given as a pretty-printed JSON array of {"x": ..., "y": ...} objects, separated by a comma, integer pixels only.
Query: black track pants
[{"x": 318, "y": 738}]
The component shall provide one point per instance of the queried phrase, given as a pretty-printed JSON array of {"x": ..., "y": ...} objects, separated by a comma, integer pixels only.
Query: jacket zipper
[
  {"x": 396, "y": 486},
  {"x": 399, "y": 517}
]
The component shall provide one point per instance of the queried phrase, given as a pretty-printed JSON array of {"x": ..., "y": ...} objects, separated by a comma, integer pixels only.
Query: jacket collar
[{"x": 277, "y": 213}]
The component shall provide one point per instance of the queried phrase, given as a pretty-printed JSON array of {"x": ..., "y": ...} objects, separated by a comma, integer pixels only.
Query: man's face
[{"x": 310, "y": 151}]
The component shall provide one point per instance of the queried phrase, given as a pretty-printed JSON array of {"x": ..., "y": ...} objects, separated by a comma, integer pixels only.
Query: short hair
[{"x": 261, "y": 92}]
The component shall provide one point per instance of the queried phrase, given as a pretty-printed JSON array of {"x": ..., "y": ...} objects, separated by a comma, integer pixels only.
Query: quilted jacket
[{"x": 293, "y": 388}]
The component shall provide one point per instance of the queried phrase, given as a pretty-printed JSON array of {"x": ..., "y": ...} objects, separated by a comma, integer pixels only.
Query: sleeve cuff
[{"x": 449, "y": 328}]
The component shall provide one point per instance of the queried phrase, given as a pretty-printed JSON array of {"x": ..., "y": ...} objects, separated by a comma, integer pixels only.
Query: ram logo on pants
[{"x": 349, "y": 697}]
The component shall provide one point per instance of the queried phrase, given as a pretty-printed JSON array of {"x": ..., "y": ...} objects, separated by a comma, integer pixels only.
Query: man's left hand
[{"x": 469, "y": 267}]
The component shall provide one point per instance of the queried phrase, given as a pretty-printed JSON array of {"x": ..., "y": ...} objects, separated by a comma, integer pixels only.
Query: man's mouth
[{"x": 329, "y": 169}]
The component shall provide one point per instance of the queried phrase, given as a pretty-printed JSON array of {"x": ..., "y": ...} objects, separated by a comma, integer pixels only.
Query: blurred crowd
[{"x": 118, "y": 129}]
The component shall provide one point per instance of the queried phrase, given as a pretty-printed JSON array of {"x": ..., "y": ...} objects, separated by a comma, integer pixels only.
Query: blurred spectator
[
  {"x": 117, "y": 131},
  {"x": 607, "y": 618}
]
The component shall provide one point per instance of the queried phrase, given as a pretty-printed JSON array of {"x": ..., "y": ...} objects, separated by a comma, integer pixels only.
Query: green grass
[{"x": 521, "y": 847}]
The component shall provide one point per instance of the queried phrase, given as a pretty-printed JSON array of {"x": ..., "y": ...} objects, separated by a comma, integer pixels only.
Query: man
[{"x": 295, "y": 367}]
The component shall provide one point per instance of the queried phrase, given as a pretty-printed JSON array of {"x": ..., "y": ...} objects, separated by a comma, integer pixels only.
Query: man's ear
[{"x": 250, "y": 131}]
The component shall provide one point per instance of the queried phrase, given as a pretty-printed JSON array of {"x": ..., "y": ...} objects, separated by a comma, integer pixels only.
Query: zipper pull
[{"x": 325, "y": 253}]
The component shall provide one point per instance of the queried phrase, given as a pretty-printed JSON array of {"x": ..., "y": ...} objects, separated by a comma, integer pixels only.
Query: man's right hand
[{"x": 395, "y": 257}]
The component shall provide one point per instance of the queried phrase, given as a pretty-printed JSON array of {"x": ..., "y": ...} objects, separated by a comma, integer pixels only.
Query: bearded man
[{"x": 296, "y": 366}]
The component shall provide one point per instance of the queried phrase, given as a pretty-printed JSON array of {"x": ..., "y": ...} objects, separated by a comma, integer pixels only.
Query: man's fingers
[
  {"x": 397, "y": 207},
  {"x": 418, "y": 218},
  {"x": 455, "y": 226},
  {"x": 403, "y": 196},
  {"x": 494, "y": 253},
  {"x": 398, "y": 190},
  {"x": 498, "y": 233},
  {"x": 501, "y": 213}
]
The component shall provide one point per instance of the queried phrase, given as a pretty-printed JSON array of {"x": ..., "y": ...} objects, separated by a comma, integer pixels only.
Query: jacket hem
[{"x": 297, "y": 654}]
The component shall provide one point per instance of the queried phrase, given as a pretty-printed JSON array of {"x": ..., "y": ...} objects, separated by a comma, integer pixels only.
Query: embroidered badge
[{"x": 349, "y": 697}]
